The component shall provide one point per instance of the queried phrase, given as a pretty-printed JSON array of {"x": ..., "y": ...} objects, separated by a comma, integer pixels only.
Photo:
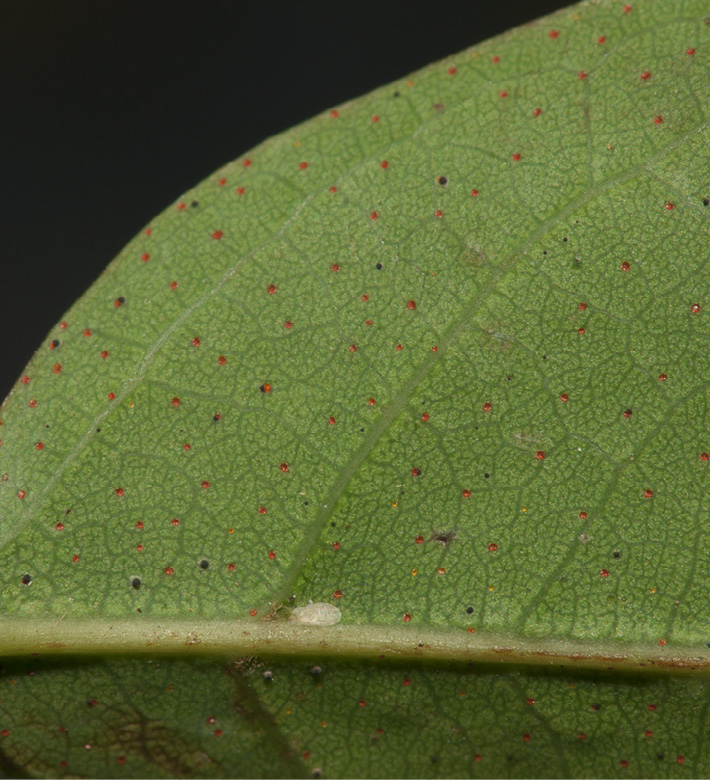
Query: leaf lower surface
[{"x": 437, "y": 357}]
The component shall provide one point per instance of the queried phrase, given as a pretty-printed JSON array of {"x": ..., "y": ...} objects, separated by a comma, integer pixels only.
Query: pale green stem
[{"x": 279, "y": 638}]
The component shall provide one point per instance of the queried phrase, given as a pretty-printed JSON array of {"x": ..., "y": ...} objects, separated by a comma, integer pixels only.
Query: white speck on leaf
[{"x": 316, "y": 614}]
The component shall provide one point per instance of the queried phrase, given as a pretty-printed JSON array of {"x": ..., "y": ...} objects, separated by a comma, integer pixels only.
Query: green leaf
[{"x": 437, "y": 359}]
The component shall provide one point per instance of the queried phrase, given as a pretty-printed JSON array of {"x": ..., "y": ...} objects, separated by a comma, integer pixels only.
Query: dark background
[{"x": 109, "y": 109}]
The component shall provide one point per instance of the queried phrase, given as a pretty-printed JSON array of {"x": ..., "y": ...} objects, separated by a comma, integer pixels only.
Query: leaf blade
[{"x": 437, "y": 358}]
